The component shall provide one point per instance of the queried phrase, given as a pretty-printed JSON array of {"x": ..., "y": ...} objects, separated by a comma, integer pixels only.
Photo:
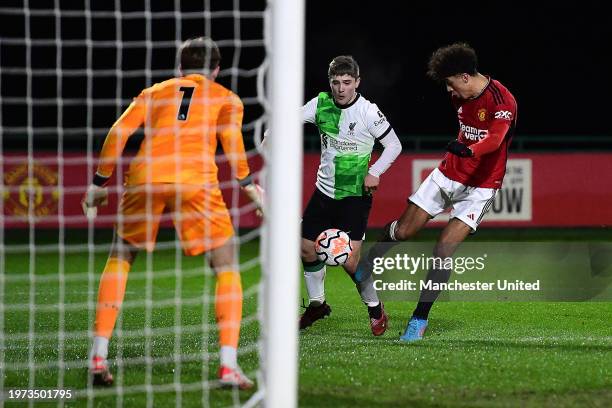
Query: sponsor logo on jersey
[
  {"x": 36, "y": 191},
  {"x": 339, "y": 145},
  {"x": 343, "y": 145},
  {"x": 482, "y": 114},
  {"x": 472, "y": 133},
  {"x": 378, "y": 122},
  {"x": 381, "y": 120},
  {"x": 503, "y": 115}
]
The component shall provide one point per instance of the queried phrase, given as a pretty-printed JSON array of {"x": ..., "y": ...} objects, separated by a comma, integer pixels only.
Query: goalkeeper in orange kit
[{"x": 175, "y": 171}]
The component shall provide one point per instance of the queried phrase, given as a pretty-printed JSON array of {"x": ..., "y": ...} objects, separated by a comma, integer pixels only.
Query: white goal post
[{"x": 284, "y": 183}]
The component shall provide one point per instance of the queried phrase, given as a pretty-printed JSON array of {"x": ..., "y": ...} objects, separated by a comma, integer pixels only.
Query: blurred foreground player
[{"x": 175, "y": 171}]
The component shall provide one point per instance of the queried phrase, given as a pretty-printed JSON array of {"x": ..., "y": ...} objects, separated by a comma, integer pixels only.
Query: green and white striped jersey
[{"x": 347, "y": 135}]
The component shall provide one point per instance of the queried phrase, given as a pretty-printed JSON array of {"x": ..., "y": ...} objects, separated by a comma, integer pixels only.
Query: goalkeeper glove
[
  {"x": 459, "y": 149},
  {"x": 94, "y": 197},
  {"x": 256, "y": 194}
]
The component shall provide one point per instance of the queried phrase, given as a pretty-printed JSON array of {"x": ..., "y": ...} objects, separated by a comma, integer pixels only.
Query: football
[{"x": 333, "y": 247}]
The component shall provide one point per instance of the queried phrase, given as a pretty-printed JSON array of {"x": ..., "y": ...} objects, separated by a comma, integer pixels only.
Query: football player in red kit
[{"x": 469, "y": 175}]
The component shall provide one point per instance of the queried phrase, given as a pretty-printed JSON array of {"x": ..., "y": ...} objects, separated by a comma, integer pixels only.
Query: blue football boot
[{"x": 415, "y": 330}]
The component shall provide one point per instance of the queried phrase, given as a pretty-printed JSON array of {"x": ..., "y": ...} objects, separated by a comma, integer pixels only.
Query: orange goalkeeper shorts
[{"x": 200, "y": 216}]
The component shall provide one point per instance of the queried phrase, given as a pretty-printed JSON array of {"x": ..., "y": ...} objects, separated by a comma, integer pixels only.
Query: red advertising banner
[
  {"x": 540, "y": 190},
  {"x": 48, "y": 192}
]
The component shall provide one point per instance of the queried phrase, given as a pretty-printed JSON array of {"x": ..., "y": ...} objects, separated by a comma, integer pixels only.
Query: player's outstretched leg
[
  {"x": 385, "y": 242},
  {"x": 412, "y": 220}
]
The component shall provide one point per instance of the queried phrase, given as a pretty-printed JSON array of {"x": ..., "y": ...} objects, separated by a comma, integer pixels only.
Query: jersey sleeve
[
  {"x": 392, "y": 149},
  {"x": 495, "y": 136},
  {"x": 376, "y": 122},
  {"x": 120, "y": 132},
  {"x": 229, "y": 133},
  {"x": 504, "y": 107},
  {"x": 309, "y": 111}
]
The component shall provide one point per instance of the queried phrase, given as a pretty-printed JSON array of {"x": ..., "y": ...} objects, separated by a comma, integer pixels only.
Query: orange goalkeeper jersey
[{"x": 183, "y": 118}]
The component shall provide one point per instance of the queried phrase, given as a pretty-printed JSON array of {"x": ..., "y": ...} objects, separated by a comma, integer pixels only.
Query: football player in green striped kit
[{"x": 349, "y": 125}]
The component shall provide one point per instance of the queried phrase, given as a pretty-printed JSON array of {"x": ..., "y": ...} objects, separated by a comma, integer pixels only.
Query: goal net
[{"x": 67, "y": 72}]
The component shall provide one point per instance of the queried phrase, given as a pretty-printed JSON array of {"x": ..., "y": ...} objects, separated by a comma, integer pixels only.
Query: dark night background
[{"x": 554, "y": 58}]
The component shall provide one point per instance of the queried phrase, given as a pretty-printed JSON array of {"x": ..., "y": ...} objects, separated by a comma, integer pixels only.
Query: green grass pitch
[{"x": 474, "y": 354}]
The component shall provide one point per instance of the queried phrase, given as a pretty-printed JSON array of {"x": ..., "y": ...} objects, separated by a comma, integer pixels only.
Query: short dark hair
[
  {"x": 451, "y": 60},
  {"x": 199, "y": 54},
  {"x": 343, "y": 65}
]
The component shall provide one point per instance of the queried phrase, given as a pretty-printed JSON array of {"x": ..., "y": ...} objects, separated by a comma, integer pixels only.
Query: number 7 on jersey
[{"x": 185, "y": 102}]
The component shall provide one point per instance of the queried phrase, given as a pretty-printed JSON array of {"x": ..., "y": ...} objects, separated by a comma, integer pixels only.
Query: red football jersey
[{"x": 476, "y": 116}]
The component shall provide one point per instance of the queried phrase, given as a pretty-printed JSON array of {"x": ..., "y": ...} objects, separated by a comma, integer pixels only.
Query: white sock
[
  {"x": 229, "y": 357},
  {"x": 315, "y": 285},
  {"x": 100, "y": 347}
]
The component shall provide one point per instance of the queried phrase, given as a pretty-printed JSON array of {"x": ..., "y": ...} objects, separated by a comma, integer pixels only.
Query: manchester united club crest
[
  {"x": 30, "y": 192},
  {"x": 482, "y": 114}
]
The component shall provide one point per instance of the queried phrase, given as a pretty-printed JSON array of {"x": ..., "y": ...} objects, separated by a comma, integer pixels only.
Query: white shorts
[{"x": 469, "y": 204}]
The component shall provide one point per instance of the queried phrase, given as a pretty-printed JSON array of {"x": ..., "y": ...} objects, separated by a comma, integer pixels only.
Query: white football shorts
[{"x": 438, "y": 192}]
